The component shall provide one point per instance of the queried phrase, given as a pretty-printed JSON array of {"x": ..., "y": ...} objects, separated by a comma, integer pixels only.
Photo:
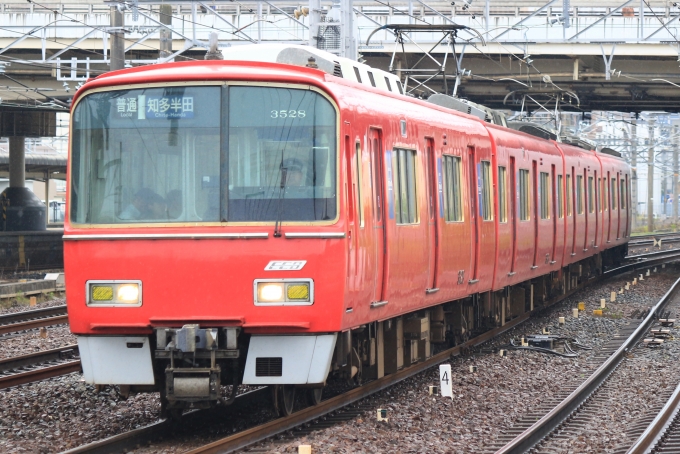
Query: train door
[
  {"x": 513, "y": 212},
  {"x": 433, "y": 228},
  {"x": 475, "y": 195},
  {"x": 617, "y": 204},
  {"x": 553, "y": 213},
  {"x": 536, "y": 204},
  {"x": 378, "y": 183},
  {"x": 574, "y": 205},
  {"x": 583, "y": 185},
  {"x": 607, "y": 207},
  {"x": 626, "y": 206},
  {"x": 596, "y": 198}
]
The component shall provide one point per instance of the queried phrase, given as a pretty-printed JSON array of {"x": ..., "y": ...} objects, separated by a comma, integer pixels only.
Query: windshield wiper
[{"x": 277, "y": 225}]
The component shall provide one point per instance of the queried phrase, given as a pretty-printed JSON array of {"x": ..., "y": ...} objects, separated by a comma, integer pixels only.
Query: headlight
[
  {"x": 270, "y": 292},
  {"x": 114, "y": 293},
  {"x": 284, "y": 292}
]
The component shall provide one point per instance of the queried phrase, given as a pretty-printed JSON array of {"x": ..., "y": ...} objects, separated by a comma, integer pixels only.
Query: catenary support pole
[
  {"x": 166, "y": 35},
  {"x": 650, "y": 178},
  {"x": 17, "y": 162},
  {"x": 117, "y": 40},
  {"x": 675, "y": 175}
]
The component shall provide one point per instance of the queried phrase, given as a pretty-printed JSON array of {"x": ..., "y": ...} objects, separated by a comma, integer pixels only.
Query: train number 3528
[{"x": 288, "y": 113}]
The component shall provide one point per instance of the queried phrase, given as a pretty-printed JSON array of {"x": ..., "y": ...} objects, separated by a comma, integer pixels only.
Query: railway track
[
  {"x": 662, "y": 435},
  {"x": 28, "y": 320},
  {"x": 19, "y": 370},
  {"x": 336, "y": 405},
  {"x": 584, "y": 402}
]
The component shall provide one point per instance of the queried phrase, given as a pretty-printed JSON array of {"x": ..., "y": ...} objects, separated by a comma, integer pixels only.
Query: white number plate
[{"x": 285, "y": 265}]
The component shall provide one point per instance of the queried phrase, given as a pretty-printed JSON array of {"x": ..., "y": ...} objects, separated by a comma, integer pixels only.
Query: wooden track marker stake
[
  {"x": 305, "y": 449},
  {"x": 33, "y": 301},
  {"x": 613, "y": 297}
]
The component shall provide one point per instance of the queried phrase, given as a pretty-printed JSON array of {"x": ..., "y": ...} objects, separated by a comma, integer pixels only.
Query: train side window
[
  {"x": 452, "y": 193},
  {"x": 487, "y": 204},
  {"x": 404, "y": 176},
  {"x": 591, "y": 195},
  {"x": 524, "y": 195},
  {"x": 502, "y": 195},
  {"x": 570, "y": 191},
  {"x": 613, "y": 193},
  {"x": 622, "y": 194},
  {"x": 357, "y": 155},
  {"x": 544, "y": 188}
]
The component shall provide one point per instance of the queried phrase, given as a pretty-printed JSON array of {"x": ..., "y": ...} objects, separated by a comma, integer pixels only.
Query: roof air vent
[
  {"x": 532, "y": 129},
  {"x": 611, "y": 152},
  {"x": 337, "y": 69}
]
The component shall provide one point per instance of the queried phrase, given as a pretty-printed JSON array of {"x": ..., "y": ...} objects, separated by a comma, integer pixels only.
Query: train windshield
[{"x": 203, "y": 154}]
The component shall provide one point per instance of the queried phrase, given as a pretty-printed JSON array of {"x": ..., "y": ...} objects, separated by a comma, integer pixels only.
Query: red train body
[{"x": 437, "y": 216}]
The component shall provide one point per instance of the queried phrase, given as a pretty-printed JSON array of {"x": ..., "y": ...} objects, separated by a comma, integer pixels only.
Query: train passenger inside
[
  {"x": 174, "y": 201},
  {"x": 146, "y": 204}
]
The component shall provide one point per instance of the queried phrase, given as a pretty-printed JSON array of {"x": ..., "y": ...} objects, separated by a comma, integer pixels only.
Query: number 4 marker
[{"x": 445, "y": 384}]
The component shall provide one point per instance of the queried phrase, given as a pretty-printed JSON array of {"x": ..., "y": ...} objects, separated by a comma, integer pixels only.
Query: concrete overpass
[{"x": 620, "y": 55}]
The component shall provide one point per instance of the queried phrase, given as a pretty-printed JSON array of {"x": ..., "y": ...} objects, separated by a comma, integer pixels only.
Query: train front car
[{"x": 204, "y": 245}]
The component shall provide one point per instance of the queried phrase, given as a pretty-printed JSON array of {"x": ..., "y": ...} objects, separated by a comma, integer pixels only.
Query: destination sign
[{"x": 144, "y": 107}]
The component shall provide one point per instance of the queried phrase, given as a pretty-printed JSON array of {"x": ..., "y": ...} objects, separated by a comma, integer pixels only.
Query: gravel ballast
[{"x": 485, "y": 402}]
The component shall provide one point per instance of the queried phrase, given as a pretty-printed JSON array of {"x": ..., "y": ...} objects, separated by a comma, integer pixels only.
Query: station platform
[{"x": 26, "y": 251}]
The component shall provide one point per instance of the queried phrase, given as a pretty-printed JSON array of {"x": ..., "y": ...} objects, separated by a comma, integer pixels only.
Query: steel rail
[
  {"x": 650, "y": 438},
  {"x": 130, "y": 440},
  {"x": 262, "y": 432},
  {"x": 29, "y": 315},
  {"x": 548, "y": 423},
  {"x": 39, "y": 374},
  {"x": 259, "y": 433},
  {"x": 37, "y": 358},
  {"x": 32, "y": 324}
]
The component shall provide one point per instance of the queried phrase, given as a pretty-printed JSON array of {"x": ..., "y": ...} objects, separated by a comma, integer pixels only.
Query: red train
[{"x": 296, "y": 220}]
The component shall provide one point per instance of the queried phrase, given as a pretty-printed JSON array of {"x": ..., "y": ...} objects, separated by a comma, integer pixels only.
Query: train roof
[{"x": 327, "y": 62}]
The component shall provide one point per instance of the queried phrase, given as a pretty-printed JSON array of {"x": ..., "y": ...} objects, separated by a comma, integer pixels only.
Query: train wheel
[
  {"x": 284, "y": 399},
  {"x": 314, "y": 396}
]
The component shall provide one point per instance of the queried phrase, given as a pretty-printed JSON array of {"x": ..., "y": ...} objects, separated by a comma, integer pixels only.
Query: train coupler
[{"x": 192, "y": 385}]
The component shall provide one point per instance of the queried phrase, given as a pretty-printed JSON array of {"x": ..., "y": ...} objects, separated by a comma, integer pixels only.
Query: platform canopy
[{"x": 38, "y": 165}]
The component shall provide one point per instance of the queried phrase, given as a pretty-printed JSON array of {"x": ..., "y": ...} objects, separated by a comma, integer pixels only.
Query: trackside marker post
[{"x": 445, "y": 385}]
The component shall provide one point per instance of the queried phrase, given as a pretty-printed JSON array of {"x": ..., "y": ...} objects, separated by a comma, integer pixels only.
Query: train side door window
[
  {"x": 591, "y": 195},
  {"x": 579, "y": 194},
  {"x": 613, "y": 193},
  {"x": 357, "y": 182},
  {"x": 502, "y": 195},
  {"x": 486, "y": 210},
  {"x": 622, "y": 194},
  {"x": 570, "y": 191},
  {"x": 560, "y": 198},
  {"x": 544, "y": 189},
  {"x": 605, "y": 192},
  {"x": 452, "y": 192},
  {"x": 524, "y": 195},
  {"x": 404, "y": 176},
  {"x": 600, "y": 187}
]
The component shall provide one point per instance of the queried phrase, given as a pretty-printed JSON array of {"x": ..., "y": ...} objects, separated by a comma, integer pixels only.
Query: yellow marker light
[
  {"x": 128, "y": 293},
  {"x": 298, "y": 292},
  {"x": 102, "y": 293},
  {"x": 270, "y": 291}
]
